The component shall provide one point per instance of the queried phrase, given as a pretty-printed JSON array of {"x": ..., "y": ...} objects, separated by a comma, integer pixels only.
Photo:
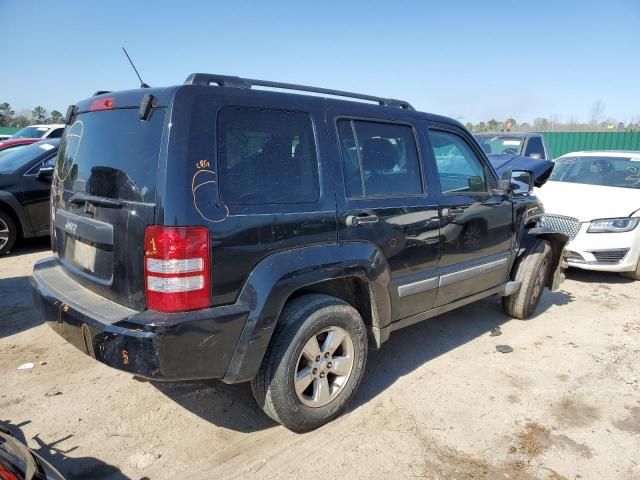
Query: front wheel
[
  {"x": 8, "y": 233},
  {"x": 314, "y": 363},
  {"x": 532, "y": 271}
]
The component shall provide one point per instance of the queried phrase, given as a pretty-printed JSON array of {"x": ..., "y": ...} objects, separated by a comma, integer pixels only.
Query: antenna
[{"x": 142, "y": 84}]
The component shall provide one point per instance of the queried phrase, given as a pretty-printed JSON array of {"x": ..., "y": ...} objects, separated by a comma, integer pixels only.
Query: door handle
[{"x": 353, "y": 220}]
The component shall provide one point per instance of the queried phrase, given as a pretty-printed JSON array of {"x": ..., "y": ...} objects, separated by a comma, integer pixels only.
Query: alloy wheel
[
  {"x": 4, "y": 233},
  {"x": 324, "y": 366}
]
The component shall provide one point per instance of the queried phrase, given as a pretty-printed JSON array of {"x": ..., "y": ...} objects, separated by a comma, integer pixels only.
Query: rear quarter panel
[{"x": 242, "y": 235}]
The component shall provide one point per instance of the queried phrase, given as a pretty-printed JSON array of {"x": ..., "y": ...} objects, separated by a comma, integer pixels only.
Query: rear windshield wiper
[{"x": 79, "y": 198}]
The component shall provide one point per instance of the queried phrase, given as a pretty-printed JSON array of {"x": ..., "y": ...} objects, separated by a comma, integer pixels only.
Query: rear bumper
[{"x": 180, "y": 346}]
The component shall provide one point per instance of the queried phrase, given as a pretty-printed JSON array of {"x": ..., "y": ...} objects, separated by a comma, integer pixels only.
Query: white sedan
[{"x": 594, "y": 197}]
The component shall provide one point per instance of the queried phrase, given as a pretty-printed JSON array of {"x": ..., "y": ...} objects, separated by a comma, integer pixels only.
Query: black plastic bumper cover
[{"x": 182, "y": 346}]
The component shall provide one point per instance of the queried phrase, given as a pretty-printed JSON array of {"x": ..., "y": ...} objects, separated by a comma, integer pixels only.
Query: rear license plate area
[{"x": 82, "y": 255}]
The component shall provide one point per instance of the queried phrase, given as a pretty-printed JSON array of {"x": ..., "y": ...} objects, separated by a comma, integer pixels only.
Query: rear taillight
[{"x": 177, "y": 268}]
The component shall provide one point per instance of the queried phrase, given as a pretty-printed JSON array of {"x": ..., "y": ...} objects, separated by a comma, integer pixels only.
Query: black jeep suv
[{"x": 215, "y": 230}]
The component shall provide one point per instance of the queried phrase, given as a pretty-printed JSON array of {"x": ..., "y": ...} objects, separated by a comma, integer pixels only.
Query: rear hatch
[{"x": 104, "y": 195}]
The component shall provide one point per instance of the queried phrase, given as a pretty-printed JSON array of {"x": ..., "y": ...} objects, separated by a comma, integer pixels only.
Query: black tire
[
  {"x": 532, "y": 270},
  {"x": 302, "y": 319},
  {"x": 633, "y": 275},
  {"x": 8, "y": 233}
]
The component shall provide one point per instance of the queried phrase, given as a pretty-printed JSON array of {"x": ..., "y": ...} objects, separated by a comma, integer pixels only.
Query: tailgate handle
[{"x": 79, "y": 198}]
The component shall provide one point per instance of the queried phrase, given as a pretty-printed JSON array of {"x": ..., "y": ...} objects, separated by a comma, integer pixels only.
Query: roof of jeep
[{"x": 164, "y": 95}]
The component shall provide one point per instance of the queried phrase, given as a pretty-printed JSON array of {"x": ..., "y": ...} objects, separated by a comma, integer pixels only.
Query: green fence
[
  {"x": 8, "y": 130},
  {"x": 565, "y": 142}
]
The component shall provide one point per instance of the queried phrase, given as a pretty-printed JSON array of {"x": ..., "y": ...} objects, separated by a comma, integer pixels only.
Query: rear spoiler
[{"x": 145, "y": 107}]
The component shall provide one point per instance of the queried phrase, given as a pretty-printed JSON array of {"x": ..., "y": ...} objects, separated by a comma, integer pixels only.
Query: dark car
[
  {"x": 237, "y": 233},
  {"x": 18, "y": 462},
  {"x": 25, "y": 186},
  {"x": 524, "y": 144}
]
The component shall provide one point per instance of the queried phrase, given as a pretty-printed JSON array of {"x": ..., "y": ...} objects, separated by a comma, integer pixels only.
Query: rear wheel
[
  {"x": 8, "y": 233},
  {"x": 314, "y": 363},
  {"x": 635, "y": 274},
  {"x": 532, "y": 271}
]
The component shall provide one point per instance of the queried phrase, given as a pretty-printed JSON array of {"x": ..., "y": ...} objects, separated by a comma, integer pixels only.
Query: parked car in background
[
  {"x": 40, "y": 131},
  {"x": 594, "y": 197},
  {"x": 25, "y": 187},
  {"x": 524, "y": 144},
  {"x": 4, "y": 136},
  {"x": 228, "y": 250},
  {"x": 7, "y": 145}
]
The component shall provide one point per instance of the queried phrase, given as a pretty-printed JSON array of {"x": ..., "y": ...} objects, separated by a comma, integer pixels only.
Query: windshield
[
  {"x": 30, "y": 132},
  {"x": 501, "y": 145},
  {"x": 16, "y": 158},
  {"x": 605, "y": 171}
]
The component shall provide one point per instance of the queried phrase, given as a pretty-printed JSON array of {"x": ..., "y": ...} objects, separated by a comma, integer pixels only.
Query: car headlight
[{"x": 613, "y": 225}]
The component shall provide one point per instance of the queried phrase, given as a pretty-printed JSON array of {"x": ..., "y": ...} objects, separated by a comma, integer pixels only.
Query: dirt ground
[{"x": 438, "y": 401}]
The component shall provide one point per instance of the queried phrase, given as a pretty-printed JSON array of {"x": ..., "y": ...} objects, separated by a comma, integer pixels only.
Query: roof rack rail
[
  {"x": 239, "y": 82},
  {"x": 101, "y": 92}
]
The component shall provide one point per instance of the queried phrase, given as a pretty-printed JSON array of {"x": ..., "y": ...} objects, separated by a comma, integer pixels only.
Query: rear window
[
  {"x": 6, "y": 151},
  {"x": 266, "y": 157},
  {"x": 112, "y": 154}
]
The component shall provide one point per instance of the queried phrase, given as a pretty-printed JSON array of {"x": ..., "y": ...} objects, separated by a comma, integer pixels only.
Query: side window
[
  {"x": 380, "y": 159},
  {"x": 57, "y": 133},
  {"x": 459, "y": 168},
  {"x": 266, "y": 157},
  {"x": 49, "y": 162},
  {"x": 534, "y": 148}
]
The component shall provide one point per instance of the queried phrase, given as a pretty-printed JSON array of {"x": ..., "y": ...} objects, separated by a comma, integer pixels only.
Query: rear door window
[
  {"x": 266, "y": 157},
  {"x": 379, "y": 159},
  {"x": 113, "y": 154}
]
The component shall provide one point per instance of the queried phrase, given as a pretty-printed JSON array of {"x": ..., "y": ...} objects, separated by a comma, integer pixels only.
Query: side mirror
[
  {"x": 504, "y": 184},
  {"x": 45, "y": 173},
  {"x": 522, "y": 182}
]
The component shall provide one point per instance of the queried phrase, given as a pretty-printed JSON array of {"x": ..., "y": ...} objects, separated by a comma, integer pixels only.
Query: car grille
[
  {"x": 610, "y": 257},
  {"x": 567, "y": 225}
]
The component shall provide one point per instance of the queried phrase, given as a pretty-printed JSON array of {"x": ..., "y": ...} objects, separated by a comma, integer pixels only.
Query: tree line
[
  {"x": 9, "y": 118},
  {"x": 596, "y": 122},
  {"x": 552, "y": 124}
]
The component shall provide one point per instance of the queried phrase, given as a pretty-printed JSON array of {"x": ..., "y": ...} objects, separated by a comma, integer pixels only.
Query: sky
[{"x": 471, "y": 60}]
